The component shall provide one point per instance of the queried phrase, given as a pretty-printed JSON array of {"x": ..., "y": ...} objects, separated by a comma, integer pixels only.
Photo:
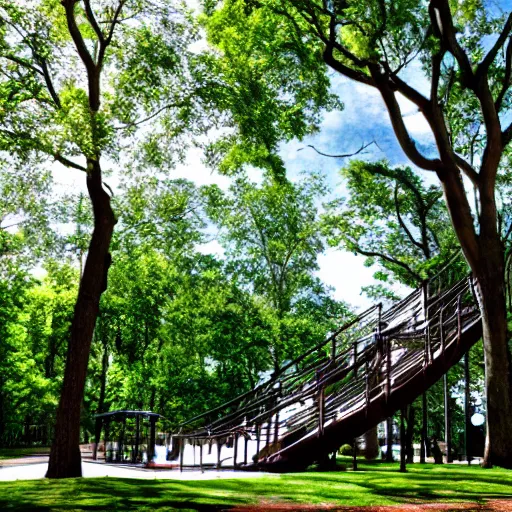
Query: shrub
[{"x": 346, "y": 449}]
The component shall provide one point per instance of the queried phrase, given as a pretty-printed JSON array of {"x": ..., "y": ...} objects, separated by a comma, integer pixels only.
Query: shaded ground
[
  {"x": 21, "y": 455},
  {"x": 23, "y": 461},
  {"x": 374, "y": 487}
]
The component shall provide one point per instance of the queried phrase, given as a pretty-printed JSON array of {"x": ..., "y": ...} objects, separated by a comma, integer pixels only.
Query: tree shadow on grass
[
  {"x": 373, "y": 485},
  {"x": 105, "y": 495},
  {"x": 447, "y": 484}
]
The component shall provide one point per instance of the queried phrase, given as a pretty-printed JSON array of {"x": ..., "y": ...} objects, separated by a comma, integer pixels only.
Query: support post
[
  {"x": 467, "y": 412},
  {"x": 235, "y": 450},
  {"x": 107, "y": 436},
  {"x": 152, "y": 438},
  {"x": 378, "y": 333},
  {"x": 246, "y": 442},
  {"x": 97, "y": 436},
  {"x": 403, "y": 447},
  {"x": 424, "y": 428},
  {"x": 320, "y": 405},
  {"x": 441, "y": 330},
  {"x": 201, "y": 455},
  {"x": 367, "y": 387},
  {"x": 258, "y": 434},
  {"x": 276, "y": 425},
  {"x": 389, "y": 439},
  {"x": 137, "y": 439},
  {"x": 120, "y": 444},
  {"x": 428, "y": 350},
  {"x": 182, "y": 450},
  {"x": 447, "y": 420},
  {"x": 354, "y": 454},
  {"x": 459, "y": 320},
  {"x": 388, "y": 368},
  {"x": 219, "y": 448}
]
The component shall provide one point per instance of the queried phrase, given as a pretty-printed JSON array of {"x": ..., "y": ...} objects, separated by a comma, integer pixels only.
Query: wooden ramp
[{"x": 359, "y": 376}]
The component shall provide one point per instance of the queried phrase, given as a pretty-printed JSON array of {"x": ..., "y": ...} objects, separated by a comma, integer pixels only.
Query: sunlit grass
[{"x": 373, "y": 484}]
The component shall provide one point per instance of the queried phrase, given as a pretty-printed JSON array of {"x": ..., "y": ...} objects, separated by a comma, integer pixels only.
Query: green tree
[
  {"x": 26, "y": 212},
  {"x": 272, "y": 240},
  {"x": 270, "y": 87},
  {"x": 35, "y": 323},
  {"x": 179, "y": 331},
  {"x": 392, "y": 218}
]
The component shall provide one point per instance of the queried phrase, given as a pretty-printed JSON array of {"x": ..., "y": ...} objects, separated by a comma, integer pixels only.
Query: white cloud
[
  {"x": 346, "y": 273},
  {"x": 418, "y": 126},
  {"x": 193, "y": 169},
  {"x": 213, "y": 247}
]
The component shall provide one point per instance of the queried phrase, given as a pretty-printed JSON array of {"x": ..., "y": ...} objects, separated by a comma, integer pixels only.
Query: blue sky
[{"x": 363, "y": 119}]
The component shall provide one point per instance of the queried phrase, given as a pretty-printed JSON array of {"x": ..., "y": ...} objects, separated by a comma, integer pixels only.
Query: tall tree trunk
[
  {"x": 152, "y": 399},
  {"x": 65, "y": 460},
  {"x": 491, "y": 295},
  {"x": 485, "y": 255}
]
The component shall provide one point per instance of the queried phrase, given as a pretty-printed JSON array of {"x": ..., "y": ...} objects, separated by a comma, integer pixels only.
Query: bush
[{"x": 346, "y": 449}]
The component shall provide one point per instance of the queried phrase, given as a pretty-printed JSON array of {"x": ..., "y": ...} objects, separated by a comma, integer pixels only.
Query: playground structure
[{"x": 358, "y": 377}]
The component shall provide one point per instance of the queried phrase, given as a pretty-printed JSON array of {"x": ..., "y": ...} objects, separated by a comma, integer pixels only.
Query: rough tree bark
[
  {"x": 498, "y": 444},
  {"x": 65, "y": 460},
  {"x": 409, "y": 434}
]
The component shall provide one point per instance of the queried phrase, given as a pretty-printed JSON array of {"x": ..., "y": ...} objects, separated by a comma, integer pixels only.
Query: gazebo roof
[{"x": 122, "y": 413}]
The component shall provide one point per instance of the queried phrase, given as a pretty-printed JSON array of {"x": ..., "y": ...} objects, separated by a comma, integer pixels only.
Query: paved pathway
[{"x": 96, "y": 470}]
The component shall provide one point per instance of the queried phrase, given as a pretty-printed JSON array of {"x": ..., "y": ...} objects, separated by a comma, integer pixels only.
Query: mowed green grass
[{"x": 373, "y": 484}]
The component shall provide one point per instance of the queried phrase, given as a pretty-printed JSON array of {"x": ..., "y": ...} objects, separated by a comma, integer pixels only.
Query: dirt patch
[
  {"x": 23, "y": 461},
  {"x": 490, "y": 506}
]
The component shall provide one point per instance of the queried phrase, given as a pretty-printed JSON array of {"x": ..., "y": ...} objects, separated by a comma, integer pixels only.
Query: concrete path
[{"x": 96, "y": 470}]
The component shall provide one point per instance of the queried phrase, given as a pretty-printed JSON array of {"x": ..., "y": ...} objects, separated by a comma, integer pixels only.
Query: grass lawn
[
  {"x": 14, "y": 453},
  {"x": 374, "y": 484}
]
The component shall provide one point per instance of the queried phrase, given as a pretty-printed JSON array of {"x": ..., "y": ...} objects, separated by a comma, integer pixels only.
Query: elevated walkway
[{"x": 359, "y": 376}]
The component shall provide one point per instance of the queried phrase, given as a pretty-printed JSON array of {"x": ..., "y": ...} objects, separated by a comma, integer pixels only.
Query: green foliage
[
  {"x": 35, "y": 327},
  {"x": 272, "y": 240},
  {"x": 148, "y": 73},
  {"x": 26, "y": 212},
  {"x": 271, "y": 234},
  {"x": 346, "y": 449},
  {"x": 273, "y": 85},
  {"x": 91, "y": 135},
  {"x": 393, "y": 219}
]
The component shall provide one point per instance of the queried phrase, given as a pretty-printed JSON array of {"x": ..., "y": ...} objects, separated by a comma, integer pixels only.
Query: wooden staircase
[{"x": 360, "y": 375}]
